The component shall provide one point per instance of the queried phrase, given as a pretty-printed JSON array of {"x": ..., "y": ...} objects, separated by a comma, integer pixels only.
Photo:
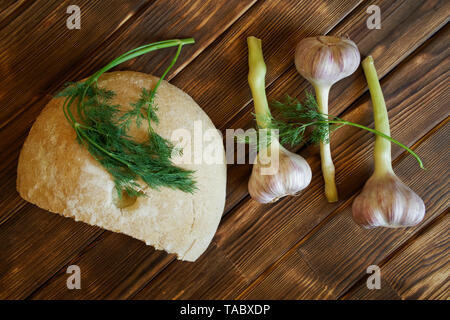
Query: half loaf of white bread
[{"x": 58, "y": 174}]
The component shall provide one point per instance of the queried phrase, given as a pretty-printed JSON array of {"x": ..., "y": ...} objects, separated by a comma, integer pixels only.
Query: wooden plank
[
  {"x": 341, "y": 251},
  {"x": 347, "y": 250},
  {"x": 37, "y": 46},
  {"x": 255, "y": 236},
  {"x": 406, "y": 91},
  {"x": 261, "y": 12},
  {"x": 384, "y": 293},
  {"x": 292, "y": 278},
  {"x": 94, "y": 280},
  {"x": 428, "y": 279},
  {"x": 421, "y": 270},
  {"x": 223, "y": 277},
  {"x": 28, "y": 254},
  {"x": 218, "y": 80},
  {"x": 11, "y": 9},
  {"x": 199, "y": 20},
  {"x": 406, "y": 25}
]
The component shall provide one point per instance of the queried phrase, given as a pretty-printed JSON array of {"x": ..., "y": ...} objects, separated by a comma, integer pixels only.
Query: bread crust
[{"x": 56, "y": 173}]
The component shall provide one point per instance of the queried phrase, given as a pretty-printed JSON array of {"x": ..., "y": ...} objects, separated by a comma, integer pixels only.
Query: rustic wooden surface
[{"x": 297, "y": 248}]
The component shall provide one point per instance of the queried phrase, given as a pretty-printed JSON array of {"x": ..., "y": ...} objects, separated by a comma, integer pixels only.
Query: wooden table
[{"x": 298, "y": 248}]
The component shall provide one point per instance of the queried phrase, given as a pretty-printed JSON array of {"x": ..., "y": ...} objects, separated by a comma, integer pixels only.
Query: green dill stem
[
  {"x": 79, "y": 124},
  {"x": 382, "y": 150},
  {"x": 133, "y": 54},
  {"x": 328, "y": 170},
  {"x": 172, "y": 63},
  {"x": 153, "y": 92},
  {"x": 67, "y": 113},
  {"x": 378, "y": 133},
  {"x": 82, "y": 133},
  {"x": 256, "y": 80},
  {"x": 138, "y": 52}
]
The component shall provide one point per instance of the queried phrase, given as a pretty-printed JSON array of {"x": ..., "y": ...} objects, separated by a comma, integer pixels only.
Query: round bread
[{"x": 58, "y": 174}]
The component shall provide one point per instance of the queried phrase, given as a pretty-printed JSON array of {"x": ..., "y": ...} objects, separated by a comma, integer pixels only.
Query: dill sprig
[
  {"x": 291, "y": 131},
  {"x": 295, "y": 117},
  {"x": 102, "y": 128}
]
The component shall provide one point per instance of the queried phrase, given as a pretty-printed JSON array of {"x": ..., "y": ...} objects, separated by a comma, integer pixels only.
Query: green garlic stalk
[
  {"x": 385, "y": 200},
  {"x": 276, "y": 172}
]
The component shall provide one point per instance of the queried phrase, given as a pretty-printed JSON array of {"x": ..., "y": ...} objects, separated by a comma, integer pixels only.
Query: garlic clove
[
  {"x": 386, "y": 201},
  {"x": 292, "y": 175},
  {"x": 325, "y": 60}
]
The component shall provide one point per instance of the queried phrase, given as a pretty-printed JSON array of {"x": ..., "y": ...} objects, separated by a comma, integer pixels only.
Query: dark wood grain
[
  {"x": 220, "y": 65},
  {"x": 28, "y": 254},
  {"x": 340, "y": 251},
  {"x": 167, "y": 14},
  {"x": 406, "y": 25},
  {"x": 37, "y": 46},
  {"x": 419, "y": 271},
  {"x": 11, "y": 9},
  {"x": 223, "y": 278},
  {"x": 366, "y": 247},
  {"x": 14, "y": 133},
  {"x": 161, "y": 17},
  {"x": 221, "y": 72},
  {"x": 292, "y": 278},
  {"x": 282, "y": 250},
  {"x": 98, "y": 271},
  {"x": 255, "y": 236},
  {"x": 362, "y": 293}
]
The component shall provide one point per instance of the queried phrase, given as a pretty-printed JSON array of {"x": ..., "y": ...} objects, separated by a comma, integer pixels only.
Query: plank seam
[
  {"x": 116, "y": 33},
  {"x": 212, "y": 243},
  {"x": 122, "y": 28},
  {"x": 232, "y": 209},
  {"x": 15, "y": 13},
  {"x": 428, "y": 226},
  {"x": 269, "y": 84},
  {"x": 272, "y": 267}
]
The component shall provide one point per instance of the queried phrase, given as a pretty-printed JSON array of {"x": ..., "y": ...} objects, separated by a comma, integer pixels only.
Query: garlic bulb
[
  {"x": 323, "y": 61},
  {"x": 386, "y": 201},
  {"x": 291, "y": 174},
  {"x": 277, "y": 172}
]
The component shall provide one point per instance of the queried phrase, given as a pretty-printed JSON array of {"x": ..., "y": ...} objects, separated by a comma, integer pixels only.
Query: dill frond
[
  {"x": 102, "y": 129},
  {"x": 295, "y": 117}
]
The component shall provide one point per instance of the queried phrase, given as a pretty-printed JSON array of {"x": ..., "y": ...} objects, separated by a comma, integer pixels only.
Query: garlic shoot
[
  {"x": 385, "y": 200},
  {"x": 323, "y": 61},
  {"x": 276, "y": 172}
]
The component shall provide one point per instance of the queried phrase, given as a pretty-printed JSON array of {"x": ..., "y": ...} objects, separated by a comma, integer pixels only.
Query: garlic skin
[
  {"x": 324, "y": 60},
  {"x": 293, "y": 174},
  {"x": 386, "y": 201}
]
